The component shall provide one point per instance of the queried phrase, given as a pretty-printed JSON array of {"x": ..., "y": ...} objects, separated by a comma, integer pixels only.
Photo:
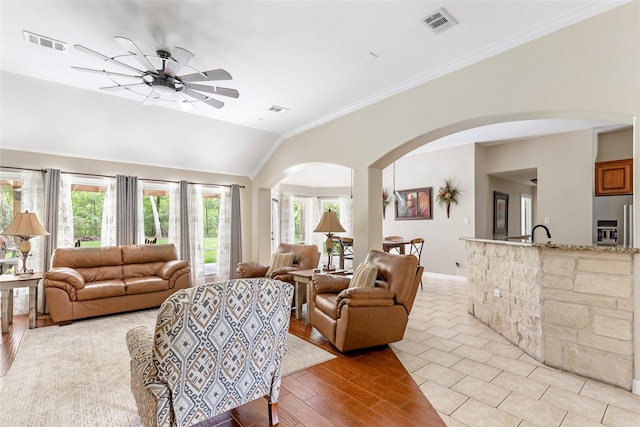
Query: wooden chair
[
  {"x": 77, "y": 244},
  {"x": 394, "y": 249},
  {"x": 150, "y": 241},
  {"x": 346, "y": 250},
  {"x": 416, "y": 249}
]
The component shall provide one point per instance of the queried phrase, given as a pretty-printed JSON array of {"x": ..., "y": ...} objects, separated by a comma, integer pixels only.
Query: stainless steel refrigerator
[{"x": 613, "y": 220}]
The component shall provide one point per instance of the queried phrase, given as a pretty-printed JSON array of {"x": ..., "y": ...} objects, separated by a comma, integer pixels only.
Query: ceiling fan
[{"x": 160, "y": 81}]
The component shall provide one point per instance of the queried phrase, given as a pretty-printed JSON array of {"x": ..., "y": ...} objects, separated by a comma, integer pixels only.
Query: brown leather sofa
[
  {"x": 305, "y": 257},
  {"x": 353, "y": 318},
  {"x": 87, "y": 282}
]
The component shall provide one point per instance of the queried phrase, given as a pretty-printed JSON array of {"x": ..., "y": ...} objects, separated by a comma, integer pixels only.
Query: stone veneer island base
[{"x": 568, "y": 306}]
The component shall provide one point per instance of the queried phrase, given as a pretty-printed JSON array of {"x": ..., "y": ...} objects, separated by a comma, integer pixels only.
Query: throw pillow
[
  {"x": 364, "y": 276},
  {"x": 279, "y": 261}
]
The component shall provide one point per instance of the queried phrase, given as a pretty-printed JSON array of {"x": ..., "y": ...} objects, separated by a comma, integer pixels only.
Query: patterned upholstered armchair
[{"x": 216, "y": 347}]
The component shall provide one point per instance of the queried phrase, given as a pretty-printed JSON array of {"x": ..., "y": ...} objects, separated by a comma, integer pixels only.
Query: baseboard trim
[
  {"x": 445, "y": 277},
  {"x": 635, "y": 388}
]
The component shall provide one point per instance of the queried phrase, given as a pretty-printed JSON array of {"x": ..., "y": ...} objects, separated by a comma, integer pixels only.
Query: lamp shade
[
  {"x": 25, "y": 224},
  {"x": 329, "y": 223}
]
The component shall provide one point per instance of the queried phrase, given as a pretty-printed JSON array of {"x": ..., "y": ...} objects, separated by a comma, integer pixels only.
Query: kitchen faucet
[{"x": 540, "y": 225}]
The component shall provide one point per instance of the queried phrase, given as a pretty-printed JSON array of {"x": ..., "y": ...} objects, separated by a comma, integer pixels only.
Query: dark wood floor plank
[{"x": 303, "y": 412}]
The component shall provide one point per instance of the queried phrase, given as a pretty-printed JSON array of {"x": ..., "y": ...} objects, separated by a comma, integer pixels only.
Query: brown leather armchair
[
  {"x": 353, "y": 318},
  {"x": 305, "y": 257}
]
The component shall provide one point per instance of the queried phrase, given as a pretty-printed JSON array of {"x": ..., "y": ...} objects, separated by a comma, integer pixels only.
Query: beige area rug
[{"x": 78, "y": 375}]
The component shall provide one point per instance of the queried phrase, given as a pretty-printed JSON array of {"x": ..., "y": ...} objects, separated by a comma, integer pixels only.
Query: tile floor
[{"x": 474, "y": 377}]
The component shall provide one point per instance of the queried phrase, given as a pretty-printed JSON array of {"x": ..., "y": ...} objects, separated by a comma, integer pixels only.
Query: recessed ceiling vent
[
  {"x": 45, "y": 41},
  {"x": 277, "y": 109},
  {"x": 440, "y": 21}
]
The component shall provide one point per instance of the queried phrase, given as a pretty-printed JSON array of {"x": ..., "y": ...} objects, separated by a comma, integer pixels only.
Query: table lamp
[
  {"x": 329, "y": 223},
  {"x": 25, "y": 225}
]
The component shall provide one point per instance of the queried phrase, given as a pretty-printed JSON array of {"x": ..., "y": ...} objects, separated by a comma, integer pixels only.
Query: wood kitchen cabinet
[{"x": 614, "y": 177}]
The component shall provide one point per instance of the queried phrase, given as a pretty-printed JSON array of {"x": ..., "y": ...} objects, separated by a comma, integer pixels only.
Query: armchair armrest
[
  {"x": 143, "y": 371},
  {"x": 251, "y": 269},
  {"x": 67, "y": 275},
  {"x": 366, "y": 297},
  {"x": 329, "y": 284},
  {"x": 171, "y": 267},
  {"x": 283, "y": 273}
]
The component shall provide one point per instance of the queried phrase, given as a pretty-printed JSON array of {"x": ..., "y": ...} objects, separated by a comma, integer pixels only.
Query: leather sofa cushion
[
  {"x": 140, "y": 254},
  {"x": 142, "y": 285},
  {"x": 328, "y": 304},
  {"x": 86, "y": 257},
  {"x": 96, "y": 274},
  {"x": 101, "y": 289},
  {"x": 142, "y": 270}
]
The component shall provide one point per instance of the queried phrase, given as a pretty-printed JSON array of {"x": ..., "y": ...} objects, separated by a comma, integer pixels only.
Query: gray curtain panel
[
  {"x": 185, "y": 237},
  {"x": 236, "y": 232},
  {"x": 127, "y": 209},
  {"x": 52, "y": 201}
]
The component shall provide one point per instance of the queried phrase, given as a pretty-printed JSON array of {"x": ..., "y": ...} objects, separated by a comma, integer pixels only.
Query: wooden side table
[
  {"x": 302, "y": 278},
  {"x": 9, "y": 282}
]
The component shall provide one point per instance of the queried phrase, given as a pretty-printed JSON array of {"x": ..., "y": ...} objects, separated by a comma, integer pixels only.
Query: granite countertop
[{"x": 553, "y": 245}]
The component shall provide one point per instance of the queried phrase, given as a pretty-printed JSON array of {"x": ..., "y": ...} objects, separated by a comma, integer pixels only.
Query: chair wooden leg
[{"x": 273, "y": 414}]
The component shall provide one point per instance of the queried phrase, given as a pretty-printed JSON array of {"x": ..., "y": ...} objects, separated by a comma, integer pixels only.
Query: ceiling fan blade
[
  {"x": 224, "y": 91},
  {"x": 108, "y": 73},
  {"x": 182, "y": 101},
  {"x": 122, "y": 87},
  {"x": 131, "y": 47},
  {"x": 151, "y": 99},
  {"x": 210, "y": 75},
  {"x": 105, "y": 57},
  {"x": 182, "y": 58},
  {"x": 200, "y": 97}
]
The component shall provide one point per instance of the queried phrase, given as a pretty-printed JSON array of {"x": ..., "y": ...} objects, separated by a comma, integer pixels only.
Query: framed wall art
[
  {"x": 416, "y": 203},
  {"x": 500, "y": 213}
]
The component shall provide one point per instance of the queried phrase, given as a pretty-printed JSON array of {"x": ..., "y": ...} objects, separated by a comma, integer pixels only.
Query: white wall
[
  {"x": 615, "y": 145},
  {"x": 442, "y": 247}
]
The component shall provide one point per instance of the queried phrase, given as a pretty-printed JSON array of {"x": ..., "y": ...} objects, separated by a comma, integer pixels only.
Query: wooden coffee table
[
  {"x": 302, "y": 278},
  {"x": 9, "y": 282}
]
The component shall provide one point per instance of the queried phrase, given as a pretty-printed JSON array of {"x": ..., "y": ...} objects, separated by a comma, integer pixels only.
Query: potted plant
[{"x": 448, "y": 194}]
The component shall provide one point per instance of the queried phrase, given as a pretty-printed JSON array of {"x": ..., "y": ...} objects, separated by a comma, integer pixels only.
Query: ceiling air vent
[
  {"x": 440, "y": 21},
  {"x": 277, "y": 109},
  {"x": 45, "y": 41}
]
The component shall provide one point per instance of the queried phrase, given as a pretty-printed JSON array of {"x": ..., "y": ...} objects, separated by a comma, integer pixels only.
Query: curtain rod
[
  {"x": 113, "y": 176},
  {"x": 23, "y": 169}
]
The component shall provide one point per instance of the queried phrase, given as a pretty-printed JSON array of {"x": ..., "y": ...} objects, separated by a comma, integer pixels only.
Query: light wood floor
[{"x": 361, "y": 388}]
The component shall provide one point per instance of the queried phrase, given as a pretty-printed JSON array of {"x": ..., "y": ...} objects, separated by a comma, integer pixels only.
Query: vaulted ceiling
[{"x": 314, "y": 60}]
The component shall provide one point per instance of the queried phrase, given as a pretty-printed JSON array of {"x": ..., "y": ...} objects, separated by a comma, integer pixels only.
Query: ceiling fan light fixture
[{"x": 161, "y": 76}]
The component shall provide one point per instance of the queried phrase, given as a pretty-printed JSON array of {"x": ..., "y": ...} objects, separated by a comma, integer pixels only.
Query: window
[
  {"x": 332, "y": 205},
  {"x": 87, "y": 202},
  {"x": 156, "y": 207},
  {"x": 275, "y": 223},
  {"x": 10, "y": 186},
  {"x": 9, "y": 198},
  {"x": 210, "y": 221},
  {"x": 299, "y": 221}
]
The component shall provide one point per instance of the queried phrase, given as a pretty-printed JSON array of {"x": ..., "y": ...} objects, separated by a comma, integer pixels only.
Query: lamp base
[{"x": 25, "y": 247}]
